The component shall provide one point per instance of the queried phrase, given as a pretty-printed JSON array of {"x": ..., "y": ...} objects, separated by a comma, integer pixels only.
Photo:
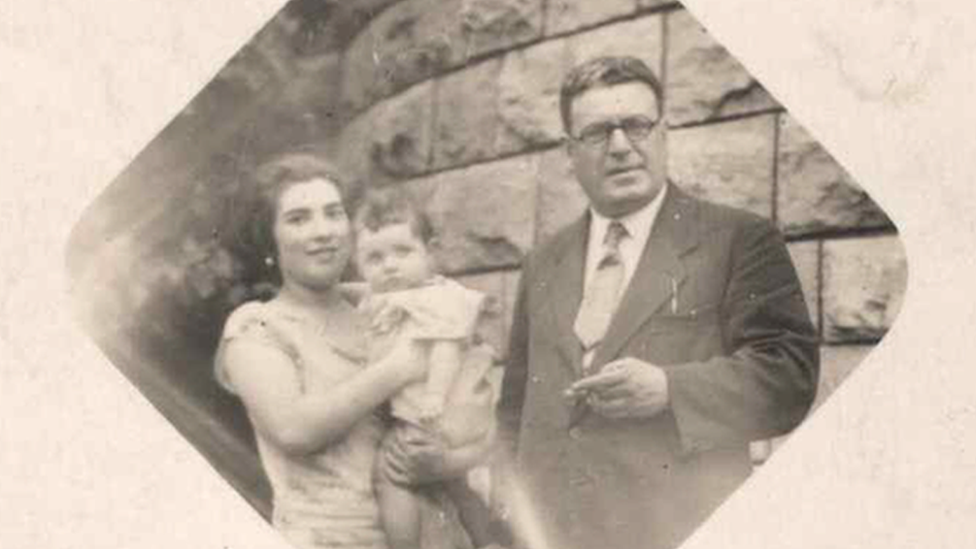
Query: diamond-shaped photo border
[{"x": 439, "y": 101}]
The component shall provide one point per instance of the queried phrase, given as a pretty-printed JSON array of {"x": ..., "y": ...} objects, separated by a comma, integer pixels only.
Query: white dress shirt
[{"x": 638, "y": 225}]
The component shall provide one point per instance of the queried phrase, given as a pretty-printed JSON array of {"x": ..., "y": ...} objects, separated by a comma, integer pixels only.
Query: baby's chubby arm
[{"x": 444, "y": 365}]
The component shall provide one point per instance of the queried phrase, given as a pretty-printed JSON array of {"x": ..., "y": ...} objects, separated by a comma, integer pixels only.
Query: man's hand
[{"x": 624, "y": 388}]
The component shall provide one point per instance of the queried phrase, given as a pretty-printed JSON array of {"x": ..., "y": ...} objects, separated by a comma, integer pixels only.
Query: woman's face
[{"x": 312, "y": 234}]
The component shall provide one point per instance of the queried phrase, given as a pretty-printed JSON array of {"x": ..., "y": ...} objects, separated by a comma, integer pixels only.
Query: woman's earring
[{"x": 269, "y": 261}]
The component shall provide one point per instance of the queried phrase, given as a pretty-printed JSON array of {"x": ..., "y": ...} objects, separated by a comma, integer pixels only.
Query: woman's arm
[{"x": 301, "y": 423}]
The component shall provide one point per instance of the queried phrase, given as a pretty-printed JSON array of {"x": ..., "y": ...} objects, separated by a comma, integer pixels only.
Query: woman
[{"x": 297, "y": 363}]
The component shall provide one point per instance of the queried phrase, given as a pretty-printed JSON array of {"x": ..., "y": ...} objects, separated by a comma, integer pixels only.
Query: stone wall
[
  {"x": 456, "y": 100},
  {"x": 459, "y": 105}
]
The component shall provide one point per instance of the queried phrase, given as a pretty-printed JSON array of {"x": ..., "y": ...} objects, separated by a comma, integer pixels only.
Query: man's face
[{"x": 620, "y": 174}]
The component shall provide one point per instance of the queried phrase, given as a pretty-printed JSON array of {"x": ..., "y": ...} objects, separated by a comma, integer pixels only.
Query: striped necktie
[{"x": 602, "y": 293}]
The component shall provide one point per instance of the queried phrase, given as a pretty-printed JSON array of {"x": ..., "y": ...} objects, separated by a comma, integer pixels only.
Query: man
[{"x": 653, "y": 339}]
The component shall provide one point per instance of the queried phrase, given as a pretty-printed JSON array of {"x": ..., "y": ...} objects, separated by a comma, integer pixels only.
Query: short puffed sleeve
[
  {"x": 444, "y": 310},
  {"x": 252, "y": 322}
]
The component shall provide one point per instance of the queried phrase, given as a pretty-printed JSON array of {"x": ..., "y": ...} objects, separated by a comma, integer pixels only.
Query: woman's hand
[{"x": 415, "y": 456}]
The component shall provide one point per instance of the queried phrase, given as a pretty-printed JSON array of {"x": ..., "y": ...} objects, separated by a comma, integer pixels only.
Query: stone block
[
  {"x": 361, "y": 84},
  {"x": 491, "y": 25},
  {"x": 314, "y": 85},
  {"x": 466, "y": 119},
  {"x": 864, "y": 281},
  {"x": 298, "y": 95},
  {"x": 568, "y": 15},
  {"x": 651, "y": 4},
  {"x": 561, "y": 199},
  {"x": 836, "y": 364},
  {"x": 399, "y": 143},
  {"x": 704, "y": 81},
  {"x": 642, "y": 38},
  {"x": 528, "y": 96},
  {"x": 406, "y": 43},
  {"x": 351, "y": 147},
  {"x": 806, "y": 259},
  {"x": 729, "y": 163},
  {"x": 815, "y": 192},
  {"x": 483, "y": 215}
]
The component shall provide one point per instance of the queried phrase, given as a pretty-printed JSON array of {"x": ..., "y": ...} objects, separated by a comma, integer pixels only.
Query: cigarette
[{"x": 674, "y": 296}]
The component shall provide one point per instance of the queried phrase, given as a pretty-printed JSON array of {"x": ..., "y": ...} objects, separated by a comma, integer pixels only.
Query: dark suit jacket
[{"x": 715, "y": 301}]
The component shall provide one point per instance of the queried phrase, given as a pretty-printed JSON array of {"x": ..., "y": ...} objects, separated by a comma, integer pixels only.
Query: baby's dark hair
[{"x": 385, "y": 206}]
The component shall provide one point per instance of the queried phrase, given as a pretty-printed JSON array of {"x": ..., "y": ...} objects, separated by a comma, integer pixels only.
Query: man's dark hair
[
  {"x": 603, "y": 72},
  {"x": 385, "y": 206}
]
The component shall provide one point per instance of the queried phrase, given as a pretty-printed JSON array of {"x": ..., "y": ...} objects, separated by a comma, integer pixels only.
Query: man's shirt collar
[{"x": 638, "y": 224}]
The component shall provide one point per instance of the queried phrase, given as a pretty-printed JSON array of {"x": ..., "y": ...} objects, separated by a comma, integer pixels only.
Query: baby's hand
[
  {"x": 384, "y": 316},
  {"x": 431, "y": 408}
]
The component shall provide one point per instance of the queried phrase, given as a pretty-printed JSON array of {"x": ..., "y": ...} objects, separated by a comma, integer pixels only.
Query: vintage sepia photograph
[{"x": 438, "y": 274}]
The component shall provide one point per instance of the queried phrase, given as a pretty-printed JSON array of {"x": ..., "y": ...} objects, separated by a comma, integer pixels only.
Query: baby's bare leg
[
  {"x": 400, "y": 515},
  {"x": 473, "y": 512},
  {"x": 399, "y": 509}
]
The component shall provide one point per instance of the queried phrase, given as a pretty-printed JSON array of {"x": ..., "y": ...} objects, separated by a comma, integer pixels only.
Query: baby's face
[{"x": 392, "y": 258}]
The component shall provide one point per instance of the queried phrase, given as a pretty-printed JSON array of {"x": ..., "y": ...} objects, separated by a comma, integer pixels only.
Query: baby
[{"x": 407, "y": 299}]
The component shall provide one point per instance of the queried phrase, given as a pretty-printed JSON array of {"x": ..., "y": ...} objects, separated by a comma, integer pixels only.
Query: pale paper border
[{"x": 889, "y": 462}]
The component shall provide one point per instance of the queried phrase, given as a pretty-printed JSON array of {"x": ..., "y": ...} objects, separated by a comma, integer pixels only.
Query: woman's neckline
[
  {"x": 335, "y": 319},
  {"x": 322, "y": 311},
  {"x": 303, "y": 298}
]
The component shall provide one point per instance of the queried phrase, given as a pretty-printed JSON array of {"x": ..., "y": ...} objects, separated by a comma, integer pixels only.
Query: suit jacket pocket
[
  {"x": 678, "y": 338},
  {"x": 692, "y": 318}
]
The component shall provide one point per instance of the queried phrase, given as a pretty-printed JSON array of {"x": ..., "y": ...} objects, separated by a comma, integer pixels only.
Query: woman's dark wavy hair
[{"x": 263, "y": 189}]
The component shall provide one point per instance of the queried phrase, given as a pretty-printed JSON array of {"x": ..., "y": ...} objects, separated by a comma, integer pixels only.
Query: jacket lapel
[
  {"x": 659, "y": 275},
  {"x": 564, "y": 292}
]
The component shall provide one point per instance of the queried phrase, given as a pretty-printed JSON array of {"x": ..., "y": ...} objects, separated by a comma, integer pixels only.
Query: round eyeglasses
[{"x": 636, "y": 128}]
